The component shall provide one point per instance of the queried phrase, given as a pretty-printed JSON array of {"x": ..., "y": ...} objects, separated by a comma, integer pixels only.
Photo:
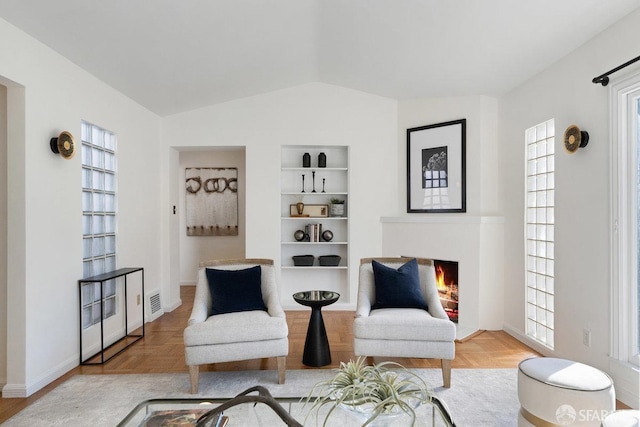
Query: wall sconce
[
  {"x": 575, "y": 138},
  {"x": 63, "y": 145}
]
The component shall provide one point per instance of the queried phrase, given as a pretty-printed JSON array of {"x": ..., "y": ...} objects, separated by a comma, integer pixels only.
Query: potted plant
[
  {"x": 337, "y": 207},
  {"x": 374, "y": 393}
]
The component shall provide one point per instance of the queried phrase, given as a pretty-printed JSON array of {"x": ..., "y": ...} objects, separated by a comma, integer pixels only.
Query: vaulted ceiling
[{"x": 176, "y": 55}]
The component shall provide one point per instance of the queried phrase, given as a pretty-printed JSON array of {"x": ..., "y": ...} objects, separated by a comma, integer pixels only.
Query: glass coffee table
[{"x": 185, "y": 412}]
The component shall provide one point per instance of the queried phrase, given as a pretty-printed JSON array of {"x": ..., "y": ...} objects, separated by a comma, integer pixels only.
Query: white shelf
[
  {"x": 336, "y": 185},
  {"x": 314, "y": 243},
  {"x": 317, "y": 193},
  {"x": 314, "y": 218},
  {"x": 296, "y": 169}
]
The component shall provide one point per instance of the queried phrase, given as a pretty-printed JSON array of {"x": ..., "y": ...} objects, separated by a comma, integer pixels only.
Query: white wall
[
  {"x": 473, "y": 239},
  {"x": 194, "y": 249},
  {"x": 312, "y": 114},
  {"x": 482, "y": 145},
  {"x": 582, "y": 230},
  {"x": 44, "y": 202},
  {"x": 3, "y": 234}
]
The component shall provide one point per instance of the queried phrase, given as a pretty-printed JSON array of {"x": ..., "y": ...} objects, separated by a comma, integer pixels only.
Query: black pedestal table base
[{"x": 316, "y": 347}]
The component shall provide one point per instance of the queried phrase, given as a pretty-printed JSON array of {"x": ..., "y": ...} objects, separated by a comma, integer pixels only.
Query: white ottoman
[
  {"x": 559, "y": 392},
  {"x": 622, "y": 418}
]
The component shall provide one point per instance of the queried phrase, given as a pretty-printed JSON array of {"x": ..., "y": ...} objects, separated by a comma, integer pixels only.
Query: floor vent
[{"x": 155, "y": 306}]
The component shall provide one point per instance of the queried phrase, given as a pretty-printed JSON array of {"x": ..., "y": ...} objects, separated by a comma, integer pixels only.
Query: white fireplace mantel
[
  {"x": 443, "y": 219},
  {"x": 475, "y": 242}
]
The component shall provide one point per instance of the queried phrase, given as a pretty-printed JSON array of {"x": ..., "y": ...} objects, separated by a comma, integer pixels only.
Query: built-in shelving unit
[{"x": 330, "y": 182}]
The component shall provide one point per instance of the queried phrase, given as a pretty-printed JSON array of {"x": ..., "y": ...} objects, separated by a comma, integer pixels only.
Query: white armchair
[
  {"x": 235, "y": 336},
  {"x": 403, "y": 332}
]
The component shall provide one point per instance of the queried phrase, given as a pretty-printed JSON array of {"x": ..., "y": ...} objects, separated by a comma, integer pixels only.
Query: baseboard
[
  {"x": 14, "y": 391},
  {"x": 462, "y": 337},
  {"x": 173, "y": 306},
  {"x": 94, "y": 349},
  {"x": 25, "y": 390},
  {"x": 517, "y": 334},
  {"x": 626, "y": 378}
]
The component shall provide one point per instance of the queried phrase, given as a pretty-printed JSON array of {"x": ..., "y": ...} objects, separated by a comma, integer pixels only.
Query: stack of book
[{"x": 314, "y": 231}]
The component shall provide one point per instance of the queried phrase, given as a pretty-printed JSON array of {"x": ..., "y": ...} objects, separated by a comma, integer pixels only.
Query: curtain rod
[{"x": 603, "y": 79}]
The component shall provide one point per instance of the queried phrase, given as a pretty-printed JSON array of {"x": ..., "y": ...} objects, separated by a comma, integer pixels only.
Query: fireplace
[{"x": 447, "y": 282}]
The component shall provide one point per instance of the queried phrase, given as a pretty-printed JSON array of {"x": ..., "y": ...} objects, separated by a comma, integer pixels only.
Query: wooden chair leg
[
  {"x": 446, "y": 372},
  {"x": 193, "y": 376},
  {"x": 282, "y": 368}
]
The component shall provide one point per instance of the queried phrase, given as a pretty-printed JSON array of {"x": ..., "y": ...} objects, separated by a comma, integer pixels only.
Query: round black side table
[{"x": 316, "y": 346}]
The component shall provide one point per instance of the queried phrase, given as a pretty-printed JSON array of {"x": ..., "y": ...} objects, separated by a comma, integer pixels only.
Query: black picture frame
[{"x": 436, "y": 168}]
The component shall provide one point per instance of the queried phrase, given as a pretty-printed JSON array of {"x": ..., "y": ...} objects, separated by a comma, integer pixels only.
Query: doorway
[{"x": 194, "y": 249}]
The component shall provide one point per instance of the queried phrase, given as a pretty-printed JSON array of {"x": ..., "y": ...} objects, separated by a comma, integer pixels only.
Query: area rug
[{"x": 477, "y": 397}]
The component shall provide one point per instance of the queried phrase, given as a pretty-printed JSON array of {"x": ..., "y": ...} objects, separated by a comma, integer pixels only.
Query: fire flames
[
  {"x": 448, "y": 292},
  {"x": 440, "y": 278}
]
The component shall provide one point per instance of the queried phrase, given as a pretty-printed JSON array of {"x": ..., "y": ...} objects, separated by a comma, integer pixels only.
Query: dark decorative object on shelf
[
  {"x": 327, "y": 235},
  {"x": 302, "y": 183},
  {"x": 303, "y": 260},
  {"x": 323, "y": 180},
  {"x": 299, "y": 235},
  {"x": 313, "y": 176},
  {"x": 306, "y": 160},
  {"x": 329, "y": 260},
  {"x": 322, "y": 160}
]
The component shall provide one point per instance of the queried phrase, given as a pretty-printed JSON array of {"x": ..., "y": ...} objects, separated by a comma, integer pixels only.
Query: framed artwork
[
  {"x": 211, "y": 201},
  {"x": 436, "y": 161},
  {"x": 312, "y": 211}
]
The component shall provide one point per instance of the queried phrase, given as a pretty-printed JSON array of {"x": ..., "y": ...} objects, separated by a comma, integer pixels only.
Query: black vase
[
  {"x": 322, "y": 160},
  {"x": 306, "y": 160}
]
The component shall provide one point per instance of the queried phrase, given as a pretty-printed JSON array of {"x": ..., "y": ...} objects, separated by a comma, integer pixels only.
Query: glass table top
[
  {"x": 185, "y": 412},
  {"x": 313, "y": 297}
]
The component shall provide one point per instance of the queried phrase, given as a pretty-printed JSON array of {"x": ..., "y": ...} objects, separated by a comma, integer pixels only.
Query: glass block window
[
  {"x": 98, "y": 220},
  {"x": 540, "y": 232}
]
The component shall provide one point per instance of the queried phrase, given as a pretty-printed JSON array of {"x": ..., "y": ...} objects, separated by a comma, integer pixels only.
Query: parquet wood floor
[{"x": 161, "y": 350}]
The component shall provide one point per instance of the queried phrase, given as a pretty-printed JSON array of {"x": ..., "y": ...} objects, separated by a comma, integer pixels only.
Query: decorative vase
[
  {"x": 322, "y": 160},
  {"x": 306, "y": 160},
  {"x": 300, "y": 208},
  {"x": 337, "y": 209}
]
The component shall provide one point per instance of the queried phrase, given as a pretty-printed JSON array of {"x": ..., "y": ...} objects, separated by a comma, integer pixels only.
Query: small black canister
[
  {"x": 306, "y": 160},
  {"x": 322, "y": 160}
]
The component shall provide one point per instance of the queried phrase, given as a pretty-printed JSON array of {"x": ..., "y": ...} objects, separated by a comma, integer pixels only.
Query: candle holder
[
  {"x": 323, "y": 185},
  {"x": 302, "y": 183},
  {"x": 313, "y": 177}
]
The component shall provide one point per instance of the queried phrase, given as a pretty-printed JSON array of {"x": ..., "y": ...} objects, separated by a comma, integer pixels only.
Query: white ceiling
[{"x": 177, "y": 55}]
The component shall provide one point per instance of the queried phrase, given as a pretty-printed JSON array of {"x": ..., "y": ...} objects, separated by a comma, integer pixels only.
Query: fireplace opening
[{"x": 447, "y": 282}]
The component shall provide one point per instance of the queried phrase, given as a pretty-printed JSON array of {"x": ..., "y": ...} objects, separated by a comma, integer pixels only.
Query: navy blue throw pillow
[
  {"x": 397, "y": 288},
  {"x": 235, "y": 290}
]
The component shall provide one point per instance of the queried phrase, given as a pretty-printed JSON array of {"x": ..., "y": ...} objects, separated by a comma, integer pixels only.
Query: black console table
[{"x": 129, "y": 338}]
